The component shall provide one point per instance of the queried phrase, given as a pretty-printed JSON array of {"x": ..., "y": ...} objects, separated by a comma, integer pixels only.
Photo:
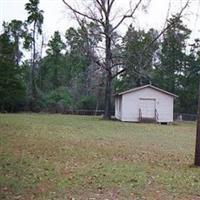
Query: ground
[{"x": 79, "y": 157}]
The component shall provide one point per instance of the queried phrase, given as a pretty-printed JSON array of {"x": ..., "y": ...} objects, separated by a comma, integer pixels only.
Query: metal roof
[{"x": 143, "y": 87}]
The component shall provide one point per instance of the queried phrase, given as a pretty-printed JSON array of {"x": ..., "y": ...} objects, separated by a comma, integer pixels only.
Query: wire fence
[
  {"x": 177, "y": 116},
  {"x": 184, "y": 117},
  {"x": 87, "y": 112},
  {"x": 84, "y": 112}
]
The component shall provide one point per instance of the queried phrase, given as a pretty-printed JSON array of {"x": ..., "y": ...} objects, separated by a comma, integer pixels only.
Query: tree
[
  {"x": 68, "y": 65},
  {"x": 51, "y": 67},
  {"x": 76, "y": 57},
  {"x": 197, "y": 146},
  {"x": 80, "y": 58},
  {"x": 139, "y": 64},
  {"x": 101, "y": 12},
  {"x": 196, "y": 54},
  {"x": 16, "y": 30},
  {"x": 35, "y": 20},
  {"x": 173, "y": 72},
  {"x": 188, "y": 82},
  {"x": 56, "y": 59},
  {"x": 173, "y": 55},
  {"x": 12, "y": 90},
  {"x": 55, "y": 45}
]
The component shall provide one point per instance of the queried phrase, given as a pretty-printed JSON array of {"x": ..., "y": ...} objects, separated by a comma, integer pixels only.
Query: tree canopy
[{"x": 91, "y": 62}]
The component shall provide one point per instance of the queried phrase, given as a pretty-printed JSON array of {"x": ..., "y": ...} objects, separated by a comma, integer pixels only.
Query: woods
[
  {"x": 83, "y": 68},
  {"x": 86, "y": 66}
]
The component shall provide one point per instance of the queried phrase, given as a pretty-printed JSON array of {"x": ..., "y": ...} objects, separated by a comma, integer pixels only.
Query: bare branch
[
  {"x": 118, "y": 64},
  {"x": 80, "y": 13},
  {"x": 168, "y": 26},
  {"x": 159, "y": 35},
  {"x": 168, "y": 11},
  {"x": 119, "y": 72},
  {"x": 127, "y": 16},
  {"x": 78, "y": 19},
  {"x": 101, "y": 12},
  {"x": 110, "y": 4},
  {"x": 101, "y": 5}
]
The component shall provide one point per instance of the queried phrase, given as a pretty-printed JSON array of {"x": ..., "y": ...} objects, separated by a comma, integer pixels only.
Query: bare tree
[{"x": 102, "y": 13}]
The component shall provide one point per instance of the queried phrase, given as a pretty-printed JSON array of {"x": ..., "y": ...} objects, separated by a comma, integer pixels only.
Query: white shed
[{"x": 145, "y": 103}]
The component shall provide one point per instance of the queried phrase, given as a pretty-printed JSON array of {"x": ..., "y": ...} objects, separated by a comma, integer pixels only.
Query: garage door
[{"x": 147, "y": 107}]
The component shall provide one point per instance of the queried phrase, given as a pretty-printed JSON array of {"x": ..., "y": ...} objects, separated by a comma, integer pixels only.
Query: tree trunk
[
  {"x": 97, "y": 104},
  {"x": 34, "y": 61},
  {"x": 108, "y": 89},
  {"x": 108, "y": 93},
  {"x": 32, "y": 73},
  {"x": 197, "y": 149},
  {"x": 32, "y": 92},
  {"x": 17, "y": 51}
]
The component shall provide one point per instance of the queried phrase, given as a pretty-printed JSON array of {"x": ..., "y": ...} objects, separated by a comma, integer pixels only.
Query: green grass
[{"x": 64, "y": 157}]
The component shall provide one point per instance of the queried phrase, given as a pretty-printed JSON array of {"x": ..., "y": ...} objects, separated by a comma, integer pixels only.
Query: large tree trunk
[
  {"x": 108, "y": 94},
  {"x": 108, "y": 89},
  {"x": 197, "y": 149}
]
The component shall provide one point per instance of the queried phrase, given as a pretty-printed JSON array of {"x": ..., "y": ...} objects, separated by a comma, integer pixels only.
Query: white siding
[
  {"x": 118, "y": 109},
  {"x": 131, "y": 104},
  {"x": 147, "y": 107}
]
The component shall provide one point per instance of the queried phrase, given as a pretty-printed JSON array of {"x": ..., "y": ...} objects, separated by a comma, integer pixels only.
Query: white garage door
[{"x": 147, "y": 107}]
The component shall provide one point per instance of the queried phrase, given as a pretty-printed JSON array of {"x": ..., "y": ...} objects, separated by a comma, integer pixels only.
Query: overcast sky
[{"x": 56, "y": 16}]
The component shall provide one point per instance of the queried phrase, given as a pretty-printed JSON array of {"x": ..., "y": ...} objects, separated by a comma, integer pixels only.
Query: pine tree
[{"x": 12, "y": 90}]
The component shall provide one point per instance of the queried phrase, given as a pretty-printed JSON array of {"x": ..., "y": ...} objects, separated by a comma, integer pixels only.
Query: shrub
[
  {"x": 58, "y": 100},
  {"x": 87, "y": 103}
]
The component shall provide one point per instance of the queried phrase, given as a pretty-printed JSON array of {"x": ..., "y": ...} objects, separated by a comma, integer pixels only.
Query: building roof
[{"x": 146, "y": 86}]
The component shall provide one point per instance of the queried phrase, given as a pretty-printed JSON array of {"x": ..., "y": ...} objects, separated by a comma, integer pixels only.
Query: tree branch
[
  {"x": 80, "y": 13},
  {"x": 127, "y": 16},
  {"x": 119, "y": 72},
  {"x": 118, "y": 64},
  {"x": 110, "y": 5},
  {"x": 161, "y": 33},
  {"x": 168, "y": 26}
]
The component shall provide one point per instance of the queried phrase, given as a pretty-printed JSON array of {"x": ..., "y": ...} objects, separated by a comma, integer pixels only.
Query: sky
[{"x": 57, "y": 17}]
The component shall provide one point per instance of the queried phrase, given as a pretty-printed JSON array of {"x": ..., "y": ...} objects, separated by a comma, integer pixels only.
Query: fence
[
  {"x": 177, "y": 116},
  {"x": 184, "y": 117},
  {"x": 86, "y": 112}
]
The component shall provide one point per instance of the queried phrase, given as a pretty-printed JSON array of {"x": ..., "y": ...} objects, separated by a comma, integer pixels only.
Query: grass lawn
[{"x": 79, "y": 157}]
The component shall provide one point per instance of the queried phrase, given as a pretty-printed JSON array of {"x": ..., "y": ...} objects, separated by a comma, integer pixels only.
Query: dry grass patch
[{"x": 62, "y": 157}]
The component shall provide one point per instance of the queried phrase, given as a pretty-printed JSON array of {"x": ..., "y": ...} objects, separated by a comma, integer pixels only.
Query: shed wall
[
  {"x": 131, "y": 104},
  {"x": 118, "y": 109}
]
